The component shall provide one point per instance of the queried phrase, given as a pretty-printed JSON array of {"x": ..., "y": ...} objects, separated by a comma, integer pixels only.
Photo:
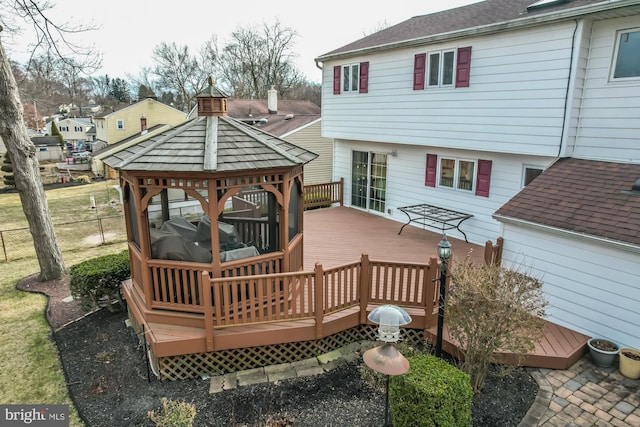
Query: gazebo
[{"x": 212, "y": 195}]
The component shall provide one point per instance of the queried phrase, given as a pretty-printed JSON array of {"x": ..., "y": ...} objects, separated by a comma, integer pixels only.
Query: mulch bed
[{"x": 109, "y": 382}]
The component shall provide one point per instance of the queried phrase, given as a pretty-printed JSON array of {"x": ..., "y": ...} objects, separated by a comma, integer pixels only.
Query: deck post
[
  {"x": 429, "y": 288},
  {"x": 341, "y": 191},
  {"x": 319, "y": 298},
  {"x": 207, "y": 303},
  {"x": 365, "y": 286}
]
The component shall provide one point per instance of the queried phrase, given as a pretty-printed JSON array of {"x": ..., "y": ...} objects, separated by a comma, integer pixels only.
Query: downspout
[
  {"x": 317, "y": 64},
  {"x": 566, "y": 96}
]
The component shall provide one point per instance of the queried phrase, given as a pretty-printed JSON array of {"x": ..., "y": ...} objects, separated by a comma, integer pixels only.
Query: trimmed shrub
[
  {"x": 431, "y": 393},
  {"x": 491, "y": 308},
  {"x": 96, "y": 282}
]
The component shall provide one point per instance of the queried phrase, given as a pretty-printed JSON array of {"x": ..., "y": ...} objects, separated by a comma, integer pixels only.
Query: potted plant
[
  {"x": 603, "y": 352},
  {"x": 630, "y": 363}
]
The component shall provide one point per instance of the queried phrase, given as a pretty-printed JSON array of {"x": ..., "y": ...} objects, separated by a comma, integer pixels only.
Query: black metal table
[{"x": 435, "y": 217}]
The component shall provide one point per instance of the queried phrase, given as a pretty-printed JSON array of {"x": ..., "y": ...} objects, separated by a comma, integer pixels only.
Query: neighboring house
[
  {"x": 126, "y": 125},
  {"x": 78, "y": 133},
  {"x": 462, "y": 109},
  {"x": 298, "y": 122},
  {"x": 100, "y": 169},
  {"x": 47, "y": 148},
  {"x": 125, "y": 120}
]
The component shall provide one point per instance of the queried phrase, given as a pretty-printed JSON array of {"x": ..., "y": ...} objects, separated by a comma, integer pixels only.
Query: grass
[{"x": 31, "y": 370}]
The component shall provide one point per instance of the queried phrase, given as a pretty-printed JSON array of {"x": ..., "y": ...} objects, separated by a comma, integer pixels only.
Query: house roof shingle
[
  {"x": 583, "y": 196},
  {"x": 448, "y": 22},
  {"x": 291, "y": 114}
]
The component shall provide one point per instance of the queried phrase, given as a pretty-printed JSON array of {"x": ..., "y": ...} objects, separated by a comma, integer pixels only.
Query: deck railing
[
  {"x": 265, "y": 298},
  {"x": 323, "y": 195}
]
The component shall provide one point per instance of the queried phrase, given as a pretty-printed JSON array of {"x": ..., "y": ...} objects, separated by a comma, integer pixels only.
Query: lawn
[{"x": 31, "y": 371}]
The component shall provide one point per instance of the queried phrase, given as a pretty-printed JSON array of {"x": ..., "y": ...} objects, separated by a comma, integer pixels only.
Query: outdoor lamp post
[
  {"x": 386, "y": 359},
  {"x": 444, "y": 253}
]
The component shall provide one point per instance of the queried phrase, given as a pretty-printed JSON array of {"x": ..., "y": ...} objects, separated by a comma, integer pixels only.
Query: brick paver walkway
[{"x": 585, "y": 395}]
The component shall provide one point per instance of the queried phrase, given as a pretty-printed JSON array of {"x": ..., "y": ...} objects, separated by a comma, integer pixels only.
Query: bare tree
[
  {"x": 13, "y": 132},
  {"x": 184, "y": 74},
  {"x": 256, "y": 59}
]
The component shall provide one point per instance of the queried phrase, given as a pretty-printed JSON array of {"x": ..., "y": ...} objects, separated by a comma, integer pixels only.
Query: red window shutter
[
  {"x": 419, "y": 71},
  {"x": 463, "y": 67},
  {"x": 483, "y": 181},
  {"x": 432, "y": 168},
  {"x": 363, "y": 86},
  {"x": 337, "y": 72}
]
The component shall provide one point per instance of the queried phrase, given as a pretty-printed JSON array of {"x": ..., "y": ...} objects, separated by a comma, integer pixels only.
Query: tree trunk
[{"x": 26, "y": 170}]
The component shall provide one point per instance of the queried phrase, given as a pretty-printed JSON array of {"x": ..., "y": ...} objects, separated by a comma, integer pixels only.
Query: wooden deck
[
  {"x": 340, "y": 235},
  {"x": 334, "y": 237}
]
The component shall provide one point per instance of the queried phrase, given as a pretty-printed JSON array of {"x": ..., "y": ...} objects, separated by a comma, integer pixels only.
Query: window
[
  {"x": 626, "y": 58},
  {"x": 530, "y": 173},
  {"x": 459, "y": 174},
  {"x": 442, "y": 68},
  {"x": 64, "y": 128},
  {"x": 351, "y": 78},
  {"x": 120, "y": 124},
  {"x": 350, "y": 75},
  {"x": 78, "y": 128}
]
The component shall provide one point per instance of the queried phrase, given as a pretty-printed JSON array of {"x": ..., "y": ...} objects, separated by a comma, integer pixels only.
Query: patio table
[{"x": 435, "y": 217}]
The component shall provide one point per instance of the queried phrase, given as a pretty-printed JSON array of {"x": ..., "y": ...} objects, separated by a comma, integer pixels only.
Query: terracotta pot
[
  {"x": 630, "y": 367},
  {"x": 603, "y": 352}
]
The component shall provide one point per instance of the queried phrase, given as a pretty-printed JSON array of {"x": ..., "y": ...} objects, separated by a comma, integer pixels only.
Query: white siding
[
  {"x": 406, "y": 176},
  {"x": 609, "y": 125},
  {"x": 515, "y": 102},
  {"x": 591, "y": 288}
]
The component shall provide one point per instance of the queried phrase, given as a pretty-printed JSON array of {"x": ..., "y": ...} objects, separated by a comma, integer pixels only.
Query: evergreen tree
[
  {"x": 7, "y": 168},
  {"x": 56, "y": 132}
]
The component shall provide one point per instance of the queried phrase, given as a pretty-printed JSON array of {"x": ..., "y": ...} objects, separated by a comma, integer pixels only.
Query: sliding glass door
[{"x": 369, "y": 180}]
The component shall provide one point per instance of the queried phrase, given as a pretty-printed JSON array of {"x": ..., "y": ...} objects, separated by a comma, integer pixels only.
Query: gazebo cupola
[
  {"x": 212, "y": 101},
  {"x": 211, "y": 195}
]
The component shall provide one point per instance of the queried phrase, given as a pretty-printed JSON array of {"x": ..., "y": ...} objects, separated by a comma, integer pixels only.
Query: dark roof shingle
[
  {"x": 484, "y": 13},
  {"x": 583, "y": 196}
]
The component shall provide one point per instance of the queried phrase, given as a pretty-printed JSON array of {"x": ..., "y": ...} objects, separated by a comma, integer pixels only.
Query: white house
[
  {"x": 463, "y": 108},
  {"x": 78, "y": 132}
]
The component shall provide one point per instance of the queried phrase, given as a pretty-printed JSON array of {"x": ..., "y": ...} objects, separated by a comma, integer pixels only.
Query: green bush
[
  {"x": 173, "y": 414},
  {"x": 96, "y": 282},
  {"x": 432, "y": 393}
]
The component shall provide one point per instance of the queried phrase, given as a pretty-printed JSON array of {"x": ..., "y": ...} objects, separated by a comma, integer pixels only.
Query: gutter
[
  {"x": 567, "y": 233},
  {"x": 488, "y": 29}
]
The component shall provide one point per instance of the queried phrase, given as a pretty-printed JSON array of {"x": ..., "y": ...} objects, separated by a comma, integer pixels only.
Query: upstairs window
[
  {"x": 350, "y": 74},
  {"x": 351, "y": 78},
  {"x": 626, "y": 60},
  {"x": 64, "y": 129},
  {"x": 440, "y": 68},
  {"x": 443, "y": 68},
  {"x": 78, "y": 128},
  {"x": 120, "y": 124}
]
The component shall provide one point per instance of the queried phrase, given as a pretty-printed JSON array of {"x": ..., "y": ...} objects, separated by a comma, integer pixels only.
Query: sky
[{"x": 129, "y": 30}]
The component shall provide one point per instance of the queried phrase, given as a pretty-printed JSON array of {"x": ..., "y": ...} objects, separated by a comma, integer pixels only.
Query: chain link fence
[{"x": 71, "y": 236}]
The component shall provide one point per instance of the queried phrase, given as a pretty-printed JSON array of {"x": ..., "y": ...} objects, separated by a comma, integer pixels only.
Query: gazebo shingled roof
[{"x": 185, "y": 148}]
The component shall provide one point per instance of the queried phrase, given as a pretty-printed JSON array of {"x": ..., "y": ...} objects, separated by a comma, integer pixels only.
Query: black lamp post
[{"x": 444, "y": 253}]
